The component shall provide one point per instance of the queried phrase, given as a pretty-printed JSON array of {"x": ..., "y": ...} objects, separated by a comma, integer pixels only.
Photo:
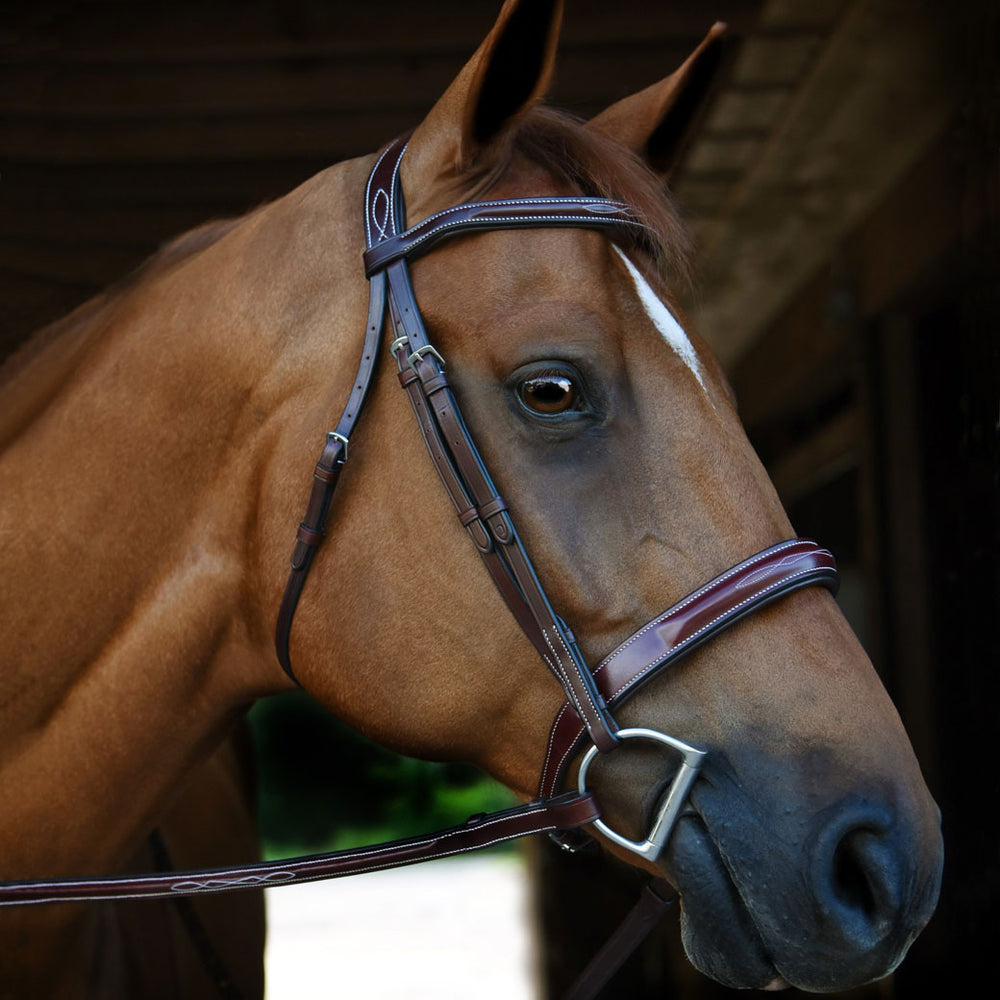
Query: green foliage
[{"x": 323, "y": 787}]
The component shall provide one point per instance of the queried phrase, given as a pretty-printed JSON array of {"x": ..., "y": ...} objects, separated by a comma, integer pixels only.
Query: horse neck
[{"x": 130, "y": 510}]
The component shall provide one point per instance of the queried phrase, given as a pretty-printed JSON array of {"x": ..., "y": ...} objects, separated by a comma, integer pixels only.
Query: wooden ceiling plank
[
  {"x": 64, "y": 93},
  {"x": 222, "y": 29},
  {"x": 877, "y": 97}
]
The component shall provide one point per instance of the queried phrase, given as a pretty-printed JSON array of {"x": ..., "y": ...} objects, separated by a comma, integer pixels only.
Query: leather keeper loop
[
  {"x": 480, "y": 535},
  {"x": 436, "y": 384},
  {"x": 501, "y": 527},
  {"x": 309, "y": 536},
  {"x": 406, "y": 377},
  {"x": 301, "y": 555},
  {"x": 325, "y": 474},
  {"x": 491, "y": 508}
]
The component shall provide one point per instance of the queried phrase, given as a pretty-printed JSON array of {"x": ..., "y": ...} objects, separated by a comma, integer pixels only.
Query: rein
[{"x": 590, "y": 694}]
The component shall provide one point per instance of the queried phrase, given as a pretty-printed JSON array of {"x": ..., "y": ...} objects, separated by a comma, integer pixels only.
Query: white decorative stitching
[
  {"x": 488, "y": 220},
  {"x": 787, "y": 561},
  {"x": 382, "y": 226},
  {"x": 192, "y": 885},
  {"x": 368, "y": 191},
  {"x": 583, "y": 680},
  {"x": 564, "y": 674},
  {"x": 392, "y": 187},
  {"x": 694, "y": 596},
  {"x": 565, "y": 757},
  {"x": 551, "y": 745},
  {"x": 694, "y": 635},
  {"x": 502, "y": 202}
]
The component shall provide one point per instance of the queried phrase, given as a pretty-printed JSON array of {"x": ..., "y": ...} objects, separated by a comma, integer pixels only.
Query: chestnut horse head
[{"x": 809, "y": 852}]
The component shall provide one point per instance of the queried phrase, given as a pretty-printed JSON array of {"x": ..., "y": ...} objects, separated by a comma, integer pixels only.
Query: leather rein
[{"x": 590, "y": 694}]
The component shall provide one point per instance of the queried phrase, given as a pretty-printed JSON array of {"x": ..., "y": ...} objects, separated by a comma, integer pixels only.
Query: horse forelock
[{"x": 598, "y": 166}]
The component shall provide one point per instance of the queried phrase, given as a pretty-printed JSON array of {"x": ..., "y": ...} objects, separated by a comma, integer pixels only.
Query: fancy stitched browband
[{"x": 590, "y": 695}]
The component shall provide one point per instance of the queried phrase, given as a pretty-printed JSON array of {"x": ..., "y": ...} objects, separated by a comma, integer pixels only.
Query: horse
[{"x": 155, "y": 451}]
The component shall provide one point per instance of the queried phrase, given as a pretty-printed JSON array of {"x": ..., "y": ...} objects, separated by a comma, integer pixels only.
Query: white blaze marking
[{"x": 664, "y": 321}]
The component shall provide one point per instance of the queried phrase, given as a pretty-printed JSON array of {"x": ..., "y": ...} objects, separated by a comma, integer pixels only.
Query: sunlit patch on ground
[{"x": 450, "y": 929}]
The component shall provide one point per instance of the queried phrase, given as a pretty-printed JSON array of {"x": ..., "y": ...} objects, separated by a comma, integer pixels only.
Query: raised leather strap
[
  {"x": 647, "y": 912},
  {"x": 511, "y": 213},
  {"x": 563, "y": 813},
  {"x": 326, "y": 475},
  {"x": 720, "y": 603},
  {"x": 471, "y": 488},
  {"x": 451, "y": 447}
]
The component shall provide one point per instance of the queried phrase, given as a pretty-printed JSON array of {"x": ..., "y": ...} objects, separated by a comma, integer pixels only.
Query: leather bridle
[{"x": 590, "y": 694}]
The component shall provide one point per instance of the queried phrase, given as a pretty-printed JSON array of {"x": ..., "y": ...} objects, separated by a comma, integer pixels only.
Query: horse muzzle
[{"x": 823, "y": 902}]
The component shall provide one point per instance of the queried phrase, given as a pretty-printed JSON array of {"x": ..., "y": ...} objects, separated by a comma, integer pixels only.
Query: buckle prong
[
  {"x": 334, "y": 436},
  {"x": 420, "y": 352}
]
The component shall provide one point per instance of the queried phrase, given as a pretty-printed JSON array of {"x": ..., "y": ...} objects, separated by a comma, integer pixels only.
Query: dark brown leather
[
  {"x": 481, "y": 216},
  {"x": 720, "y": 603},
  {"x": 565, "y": 812},
  {"x": 327, "y": 474},
  {"x": 450, "y": 445},
  {"x": 647, "y": 912}
]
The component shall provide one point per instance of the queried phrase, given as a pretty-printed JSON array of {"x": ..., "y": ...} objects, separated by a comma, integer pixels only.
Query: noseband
[{"x": 590, "y": 694}]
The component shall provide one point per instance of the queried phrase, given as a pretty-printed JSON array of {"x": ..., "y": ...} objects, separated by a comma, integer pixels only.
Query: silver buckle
[
  {"x": 420, "y": 352},
  {"x": 673, "y": 801},
  {"x": 334, "y": 436}
]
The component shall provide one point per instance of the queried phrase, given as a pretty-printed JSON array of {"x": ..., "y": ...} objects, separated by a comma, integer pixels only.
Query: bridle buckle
[
  {"x": 673, "y": 800},
  {"x": 416, "y": 355},
  {"x": 334, "y": 436}
]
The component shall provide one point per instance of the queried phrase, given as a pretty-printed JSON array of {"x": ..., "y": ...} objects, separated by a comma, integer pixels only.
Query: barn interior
[{"x": 842, "y": 188}]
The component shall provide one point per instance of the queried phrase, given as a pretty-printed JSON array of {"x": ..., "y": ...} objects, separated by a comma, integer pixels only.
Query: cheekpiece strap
[{"x": 480, "y": 508}]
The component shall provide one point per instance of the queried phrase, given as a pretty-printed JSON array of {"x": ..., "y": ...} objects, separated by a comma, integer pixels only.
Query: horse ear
[
  {"x": 657, "y": 122},
  {"x": 509, "y": 73}
]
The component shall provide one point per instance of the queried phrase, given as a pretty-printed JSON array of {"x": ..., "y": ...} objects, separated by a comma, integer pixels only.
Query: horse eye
[{"x": 549, "y": 394}]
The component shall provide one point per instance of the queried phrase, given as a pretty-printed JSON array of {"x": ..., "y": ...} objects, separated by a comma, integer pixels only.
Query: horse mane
[
  {"x": 599, "y": 166},
  {"x": 64, "y": 341},
  {"x": 96, "y": 311}
]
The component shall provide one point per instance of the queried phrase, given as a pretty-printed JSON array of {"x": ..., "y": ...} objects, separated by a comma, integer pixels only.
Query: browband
[{"x": 512, "y": 213}]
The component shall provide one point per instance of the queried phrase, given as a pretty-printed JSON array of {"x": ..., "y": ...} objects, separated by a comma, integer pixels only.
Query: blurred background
[{"x": 843, "y": 190}]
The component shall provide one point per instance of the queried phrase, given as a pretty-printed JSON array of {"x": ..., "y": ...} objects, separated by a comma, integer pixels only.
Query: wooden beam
[
  {"x": 802, "y": 357},
  {"x": 826, "y": 454},
  {"x": 100, "y": 29},
  {"x": 805, "y": 353},
  {"x": 876, "y": 98}
]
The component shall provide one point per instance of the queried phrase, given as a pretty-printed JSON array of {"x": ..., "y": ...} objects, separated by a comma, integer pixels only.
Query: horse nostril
[
  {"x": 864, "y": 877},
  {"x": 859, "y": 879}
]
